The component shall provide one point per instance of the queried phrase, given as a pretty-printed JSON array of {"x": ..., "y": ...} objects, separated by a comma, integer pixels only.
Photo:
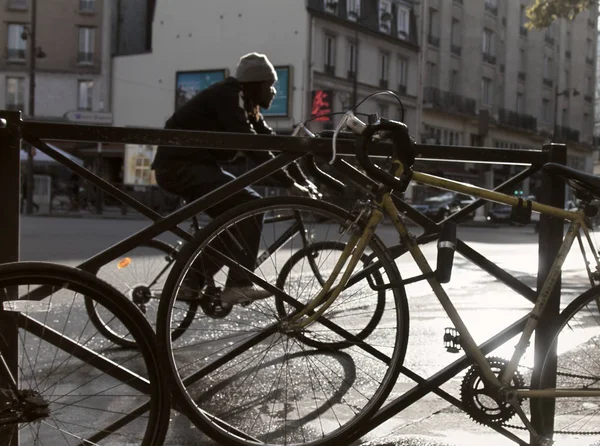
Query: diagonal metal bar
[{"x": 83, "y": 353}]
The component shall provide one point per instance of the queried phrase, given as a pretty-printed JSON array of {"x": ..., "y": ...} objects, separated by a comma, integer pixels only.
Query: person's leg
[{"x": 194, "y": 181}]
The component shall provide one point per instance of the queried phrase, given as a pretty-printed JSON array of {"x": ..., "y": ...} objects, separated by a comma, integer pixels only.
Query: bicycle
[
  {"x": 140, "y": 275},
  {"x": 61, "y": 382},
  {"x": 232, "y": 376}
]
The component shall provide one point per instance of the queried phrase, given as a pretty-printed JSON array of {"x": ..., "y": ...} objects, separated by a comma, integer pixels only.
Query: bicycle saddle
[{"x": 578, "y": 180}]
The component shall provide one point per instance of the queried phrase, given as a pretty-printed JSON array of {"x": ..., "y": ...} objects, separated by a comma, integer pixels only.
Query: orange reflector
[{"x": 124, "y": 263}]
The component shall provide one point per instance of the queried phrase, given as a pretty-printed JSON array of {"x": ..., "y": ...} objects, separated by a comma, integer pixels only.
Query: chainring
[{"x": 479, "y": 404}]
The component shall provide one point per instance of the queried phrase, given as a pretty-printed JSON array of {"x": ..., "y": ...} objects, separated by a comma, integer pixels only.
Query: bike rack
[{"x": 13, "y": 130}]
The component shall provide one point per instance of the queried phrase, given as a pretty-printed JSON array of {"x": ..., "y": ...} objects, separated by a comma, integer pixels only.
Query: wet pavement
[{"x": 485, "y": 305}]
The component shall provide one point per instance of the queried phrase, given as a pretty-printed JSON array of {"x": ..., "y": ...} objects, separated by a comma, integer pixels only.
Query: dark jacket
[{"x": 217, "y": 109}]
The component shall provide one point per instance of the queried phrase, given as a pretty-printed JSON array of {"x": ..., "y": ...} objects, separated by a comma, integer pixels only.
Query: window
[
  {"x": 522, "y": 61},
  {"x": 434, "y": 23},
  {"x": 455, "y": 33},
  {"x": 442, "y": 136},
  {"x": 486, "y": 91},
  {"x": 488, "y": 42},
  {"x": 353, "y": 9},
  {"x": 384, "y": 66},
  {"x": 590, "y": 49},
  {"x": 520, "y": 103},
  {"x": 351, "y": 59},
  {"x": 431, "y": 75},
  {"x": 546, "y": 111},
  {"x": 547, "y": 67},
  {"x": 15, "y": 93},
  {"x": 17, "y": 4},
  {"x": 16, "y": 44},
  {"x": 330, "y": 54},
  {"x": 403, "y": 22},
  {"x": 403, "y": 72},
  {"x": 491, "y": 6},
  {"x": 383, "y": 111},
  {"x": 87, "y": 5},
  {"x": 85, "y": 90},
  {"x": 454, "y": 82},
  {"x": 330, "y": 6},
  {"x": 385, "y": 13},
  {"x": 142, "y": 170},
  {"x": 86, "y": 46}
]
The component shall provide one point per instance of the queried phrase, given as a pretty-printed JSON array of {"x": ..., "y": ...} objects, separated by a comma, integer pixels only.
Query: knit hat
[{"x": 255, "y": 67}]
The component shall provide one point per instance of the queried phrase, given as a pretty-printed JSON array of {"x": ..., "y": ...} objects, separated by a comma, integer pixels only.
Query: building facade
[
  {"x": 468, "y": 72},
  {"x": 72, "y": 57}
]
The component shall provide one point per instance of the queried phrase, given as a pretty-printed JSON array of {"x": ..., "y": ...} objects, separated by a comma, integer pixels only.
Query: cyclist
[{"x": 232, "y": 105}]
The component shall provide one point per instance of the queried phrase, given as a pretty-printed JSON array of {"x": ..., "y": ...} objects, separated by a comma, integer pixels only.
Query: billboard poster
[
  {"x": 190, "y": 83},
  {"x": 281, "y": 102}
]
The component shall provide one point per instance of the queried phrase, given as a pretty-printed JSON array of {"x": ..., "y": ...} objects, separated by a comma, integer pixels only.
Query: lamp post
[
  {"x": 34, "y": 52},
  {"x": 385, "y": 17},
  {"x": 565, "y": 92}
]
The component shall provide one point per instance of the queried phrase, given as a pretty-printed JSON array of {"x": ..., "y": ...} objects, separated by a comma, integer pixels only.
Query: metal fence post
[
  {"x": 551, "y": 232},
  {"x": 10, "y": 185}
]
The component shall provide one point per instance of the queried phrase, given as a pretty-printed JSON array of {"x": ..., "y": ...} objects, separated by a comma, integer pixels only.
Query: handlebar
[
  {"x": 402, "y": 147},
  {"x": 311, "y": 165}
]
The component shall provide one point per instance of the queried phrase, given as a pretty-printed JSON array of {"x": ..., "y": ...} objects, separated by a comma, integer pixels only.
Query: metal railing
[
  {"x": 517, "y": 120},
  {"x": 448, "y": 101}
]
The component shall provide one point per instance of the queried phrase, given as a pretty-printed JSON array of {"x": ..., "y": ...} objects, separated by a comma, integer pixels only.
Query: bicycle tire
[
  {"x": 312, "y": 250},
  {"x": 577, "y": 339},
  {"x": 75, "y": 361},
  {"x": 138, "y": 284},
  {"x": 222, "y": 402}
]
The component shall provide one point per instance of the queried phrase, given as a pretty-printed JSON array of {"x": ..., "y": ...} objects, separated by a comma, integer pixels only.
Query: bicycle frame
[{"x": 385, "y": 206}]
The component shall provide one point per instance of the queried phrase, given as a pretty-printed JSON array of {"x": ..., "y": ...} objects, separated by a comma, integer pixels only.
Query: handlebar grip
[
  {"x": 402, "y": 147},
  {"x": 321, "y": 176}
]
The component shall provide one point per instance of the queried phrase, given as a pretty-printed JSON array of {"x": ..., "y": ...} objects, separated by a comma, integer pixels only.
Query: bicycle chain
[{"x": 560, "y": 432}]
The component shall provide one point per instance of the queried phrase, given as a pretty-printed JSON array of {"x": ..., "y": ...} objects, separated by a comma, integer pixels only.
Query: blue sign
[
  {"x": 189, "y": 83},
  {"x": 281, "y": 102}
]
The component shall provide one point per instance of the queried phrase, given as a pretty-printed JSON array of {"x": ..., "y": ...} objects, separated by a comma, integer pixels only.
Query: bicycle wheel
[
  {"x": 70, "y": 385},
  {"x": 244, "y": 378},
  {"x": 578, "y": 366},
  {"x": 140, "y": 275},
  {"x": 318, "y": 259}
]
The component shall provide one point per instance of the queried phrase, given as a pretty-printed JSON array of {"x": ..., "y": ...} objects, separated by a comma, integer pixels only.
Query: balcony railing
[
  {"x": 518, "y": 120},
  {"x": 330, "y": 69},
  {"x": 522, "y": 75},
  {"x": 489, "y": 58},
  {"x": 15, "y": 54},
  {"x": 549, "y": 40},
  {"x": 566, "y": 134},
  {"x": 85, "y": 58},
  {"x": 548, "y": 82},
  {"x": 588, "y": 98},
  {"x": 434, "y": 40},
  {"x": 456, "y": 49},
  {"x": 589, "y": 60},
  {"x": 449, "y": 102},
  {"x": 19, "y": 5}
]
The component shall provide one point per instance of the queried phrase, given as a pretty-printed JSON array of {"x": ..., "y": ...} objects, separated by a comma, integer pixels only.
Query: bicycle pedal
[{"x": 452, "y": 340}]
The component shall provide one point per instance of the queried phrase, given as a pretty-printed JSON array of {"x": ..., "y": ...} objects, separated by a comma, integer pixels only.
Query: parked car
[
  {"x": 499, "y": 213},
  {"x": 441, "y": 206}
]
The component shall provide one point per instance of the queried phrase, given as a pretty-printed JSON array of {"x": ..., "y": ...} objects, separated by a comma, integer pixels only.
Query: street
[{"x": 485, "y": 305}]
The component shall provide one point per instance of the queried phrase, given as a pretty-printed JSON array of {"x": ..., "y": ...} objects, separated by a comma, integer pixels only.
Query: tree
[{"x": 544, "y": 12}]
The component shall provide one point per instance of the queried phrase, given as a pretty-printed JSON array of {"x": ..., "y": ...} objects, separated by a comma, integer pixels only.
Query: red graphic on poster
[{"x": 321, "y": 104}]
